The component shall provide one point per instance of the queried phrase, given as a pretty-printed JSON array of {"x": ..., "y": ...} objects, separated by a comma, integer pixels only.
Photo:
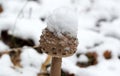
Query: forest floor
[{"x": 21, "y": 25}]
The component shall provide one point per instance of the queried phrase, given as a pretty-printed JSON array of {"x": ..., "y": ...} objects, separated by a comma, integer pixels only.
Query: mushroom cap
[{"x": 58, "y": 47}]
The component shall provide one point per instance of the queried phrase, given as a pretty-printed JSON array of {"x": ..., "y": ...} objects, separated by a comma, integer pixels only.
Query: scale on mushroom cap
[{"x": 59, "y": 38}]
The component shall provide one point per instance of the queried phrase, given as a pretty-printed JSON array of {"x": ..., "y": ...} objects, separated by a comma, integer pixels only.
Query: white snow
[
  {"x": 30, "y": 57},
  {"x": 5, "y": 61},
  {"x": 83, "y": 59},
  {"x": 6, "y": 65},
  {"x": 98, "y": 31},
  {"x": 67, "y": 48},
  {"x": 35, "y": 28},
  {"x": 63, "y": 21},
  {"x": 3, "y": 47}
]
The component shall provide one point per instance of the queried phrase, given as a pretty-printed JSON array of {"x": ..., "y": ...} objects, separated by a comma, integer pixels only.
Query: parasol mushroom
[{"x": 59, "y": 38}]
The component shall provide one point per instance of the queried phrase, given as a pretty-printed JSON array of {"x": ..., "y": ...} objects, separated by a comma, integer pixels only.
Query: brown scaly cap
[{"x": 58, "y": 47}]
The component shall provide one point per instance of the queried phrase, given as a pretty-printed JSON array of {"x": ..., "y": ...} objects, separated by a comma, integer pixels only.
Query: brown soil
[
  {"x": 92, "y": 56},
  {"x": 1, "y": 9},
  {"x": 107, "y": 54},
  {"x": 15, "y": 42}
]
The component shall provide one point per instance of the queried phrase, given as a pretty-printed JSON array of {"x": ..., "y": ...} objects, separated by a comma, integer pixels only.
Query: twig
[
  {"x": 37, "y": 48},
  {"x": 21, "y": 11}
]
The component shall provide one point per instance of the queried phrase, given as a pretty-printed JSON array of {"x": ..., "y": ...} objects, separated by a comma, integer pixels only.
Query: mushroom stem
[{"x": 56, "y": 66}]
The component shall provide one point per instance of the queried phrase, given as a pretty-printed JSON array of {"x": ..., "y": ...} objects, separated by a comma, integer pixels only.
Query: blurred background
[{"x": 21, "y": 25}]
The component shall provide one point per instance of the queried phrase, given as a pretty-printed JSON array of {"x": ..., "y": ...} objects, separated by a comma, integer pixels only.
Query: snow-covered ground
[{"x": 98, "y": 31}]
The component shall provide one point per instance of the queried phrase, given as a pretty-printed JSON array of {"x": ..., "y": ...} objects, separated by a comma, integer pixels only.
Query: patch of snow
[
  {"x": 30, "y": 58},
  {"x": 83, "y": 58},
  {"x": 87, "y": 40},
  {"x": 67, "y": 48},
  {"x": 29, "y": 71},
  {"x": 21, "y": 28},
  {"x": 63, "y": 21},
  {"x": 35, "y": 29},
  {"x": 68, "y": 66},
  {"x": 5, "y": 61},
  {"x": 3, "y": 47}
]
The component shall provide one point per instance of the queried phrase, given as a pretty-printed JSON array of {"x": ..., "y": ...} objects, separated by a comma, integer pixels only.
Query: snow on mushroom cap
[{"x": 63, "y": 21}]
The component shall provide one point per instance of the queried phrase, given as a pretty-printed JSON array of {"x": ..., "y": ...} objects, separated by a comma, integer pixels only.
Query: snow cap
[{"x": 63, "y": 21}]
